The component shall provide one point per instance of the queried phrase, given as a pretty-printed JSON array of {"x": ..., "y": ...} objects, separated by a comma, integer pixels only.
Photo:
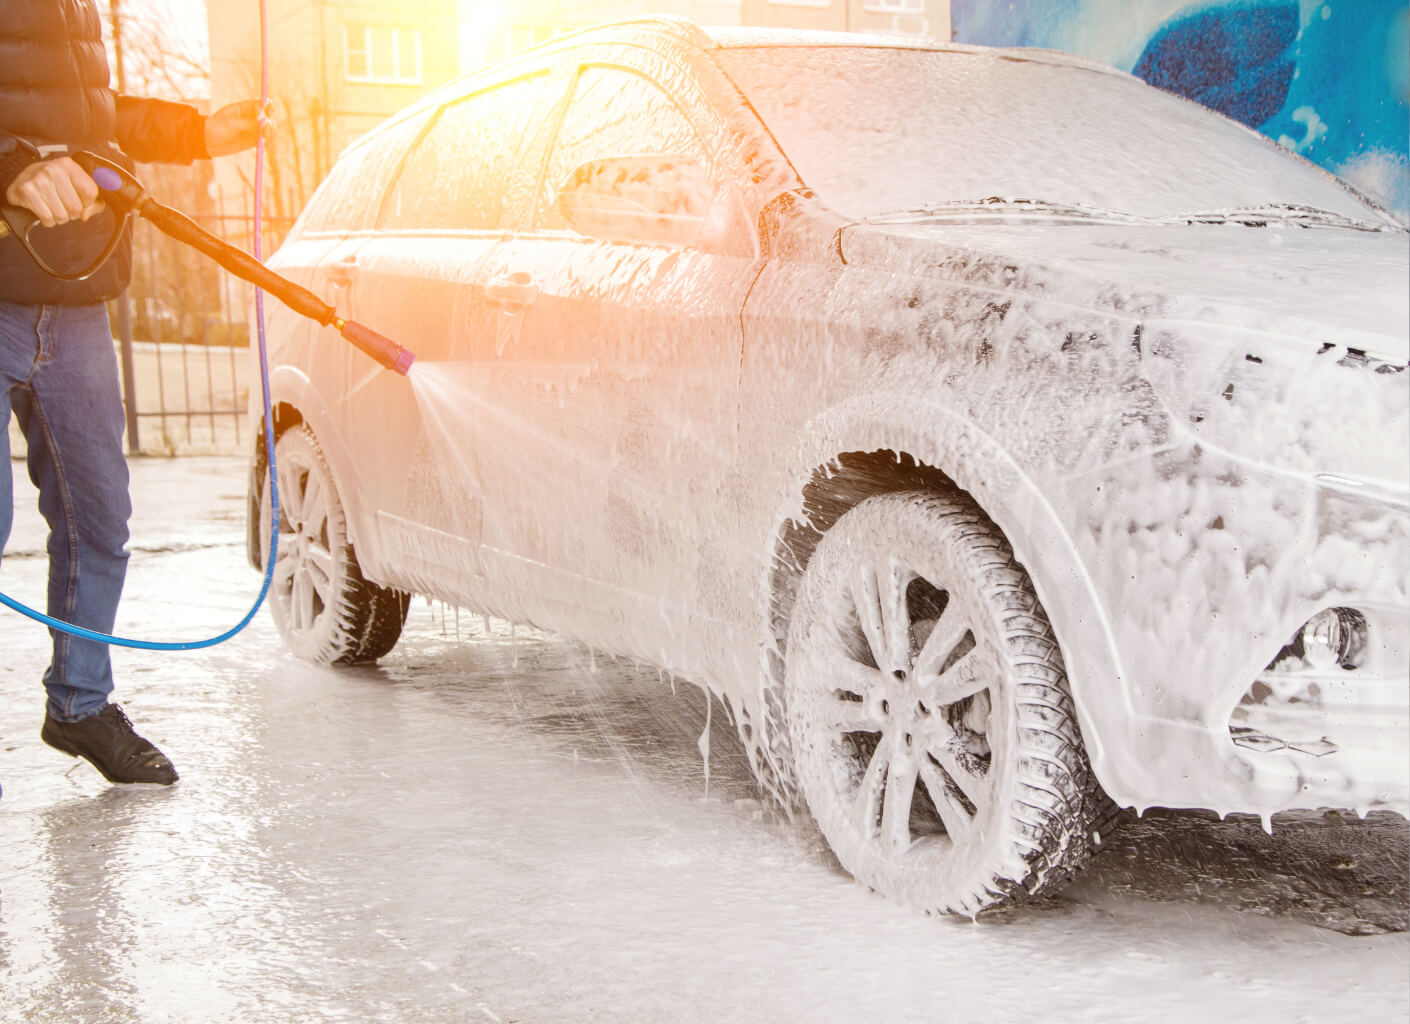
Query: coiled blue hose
[{"x": 191, "y": 645}]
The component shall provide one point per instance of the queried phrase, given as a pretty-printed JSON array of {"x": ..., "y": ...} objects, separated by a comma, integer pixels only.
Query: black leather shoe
[{"x": 109, "y": 743}]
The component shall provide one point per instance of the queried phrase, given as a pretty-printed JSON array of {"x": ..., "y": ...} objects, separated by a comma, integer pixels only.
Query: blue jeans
[{"x": 58, "y": 368}]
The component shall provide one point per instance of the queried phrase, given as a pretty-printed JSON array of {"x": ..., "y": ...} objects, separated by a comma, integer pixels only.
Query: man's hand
[
  {"x": 237, "y": 126},
  {"x": 56, "y": 191}
]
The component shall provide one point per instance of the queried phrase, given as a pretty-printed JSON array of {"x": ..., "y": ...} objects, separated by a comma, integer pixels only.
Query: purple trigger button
[{"x": 108, "y": 179}]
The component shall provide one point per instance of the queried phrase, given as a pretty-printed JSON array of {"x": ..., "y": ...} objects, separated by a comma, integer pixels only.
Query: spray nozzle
[{"x": 378, "y": 346}]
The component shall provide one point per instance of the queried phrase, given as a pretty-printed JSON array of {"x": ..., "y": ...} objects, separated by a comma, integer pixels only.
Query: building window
[
  {"x": 383, "y": 54},
  {"x": 897, "y": 6}
]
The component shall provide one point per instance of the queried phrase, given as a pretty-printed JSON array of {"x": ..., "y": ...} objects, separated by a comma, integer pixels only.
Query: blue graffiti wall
[{"x": 1329, "y": 79}]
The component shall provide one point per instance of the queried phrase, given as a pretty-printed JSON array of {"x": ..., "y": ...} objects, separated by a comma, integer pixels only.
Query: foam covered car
[{"x": 1001, "y": 438}]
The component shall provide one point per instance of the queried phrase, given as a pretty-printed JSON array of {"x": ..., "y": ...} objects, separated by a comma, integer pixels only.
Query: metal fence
[{"x": 182, "y": 337}]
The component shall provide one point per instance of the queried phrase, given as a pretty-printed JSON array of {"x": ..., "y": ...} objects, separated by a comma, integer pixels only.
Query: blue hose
[{"x": 192, "y": 645}]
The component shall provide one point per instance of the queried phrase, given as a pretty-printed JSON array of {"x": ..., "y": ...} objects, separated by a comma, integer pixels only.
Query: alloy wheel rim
[
  {"x": 903, "y": 700},
  {"x": 304, "y": 568}
]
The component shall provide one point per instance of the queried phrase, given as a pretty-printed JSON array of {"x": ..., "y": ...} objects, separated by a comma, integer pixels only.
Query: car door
[
  {"x": 420, "y": 279},
  {"x": 614, "y": 386}
]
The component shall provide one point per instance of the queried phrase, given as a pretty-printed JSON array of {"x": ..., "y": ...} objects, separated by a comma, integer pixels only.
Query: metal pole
[
  {"x": 210, "y": 376},
  {"x": 116, "y": 19},
  {"x": 129, "y": 374},
  {"x": 322, "y": 147},
  {"x": 161, "y": 386},
  {"x": 186, "y": 370},
  {"x": 124, "y": 302},
  {"x": 229, "y": 322},
  {"x": 154, "y": 329}
]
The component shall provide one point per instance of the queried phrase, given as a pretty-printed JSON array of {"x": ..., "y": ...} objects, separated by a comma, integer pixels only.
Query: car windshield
[{"x": 879, "y": 130}]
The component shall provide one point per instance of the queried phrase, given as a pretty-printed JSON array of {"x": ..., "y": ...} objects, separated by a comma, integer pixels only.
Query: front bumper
[
  {"x": 1326, "y": 731},
  {"x": 1207, "y": 571}
]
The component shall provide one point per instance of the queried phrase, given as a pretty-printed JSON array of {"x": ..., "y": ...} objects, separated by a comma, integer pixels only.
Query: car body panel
[
  {"x": 1107, "y": 497},
  {"x": 1195, "y": 436},
  {"x": 1347, "y": 287}
]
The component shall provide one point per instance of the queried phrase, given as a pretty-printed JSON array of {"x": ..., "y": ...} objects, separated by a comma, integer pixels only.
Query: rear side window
[
  {"x": 455, "y": 177},
  {"x": 347, "y": 200},
  {"x": 613, "y": 112}
]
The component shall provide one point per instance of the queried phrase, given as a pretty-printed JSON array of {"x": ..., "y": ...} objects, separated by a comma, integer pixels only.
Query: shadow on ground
[{"x": 1329, "y": 869}]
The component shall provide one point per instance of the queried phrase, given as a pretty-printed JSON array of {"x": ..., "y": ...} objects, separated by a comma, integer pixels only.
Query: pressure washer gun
[{"x": 126, "y": 196}]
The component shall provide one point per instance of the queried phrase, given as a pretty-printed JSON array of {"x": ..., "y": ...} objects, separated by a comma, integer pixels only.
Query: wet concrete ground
[{"x": 500, "y": 826}]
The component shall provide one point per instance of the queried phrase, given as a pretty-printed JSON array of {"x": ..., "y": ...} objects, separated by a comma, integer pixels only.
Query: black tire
[
  {"x": 324, "y": 609},
  {"x": 934, "y": 738}
]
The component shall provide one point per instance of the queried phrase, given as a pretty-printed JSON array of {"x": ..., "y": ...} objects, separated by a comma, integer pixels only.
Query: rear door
[{"x": 420, "y": 280}]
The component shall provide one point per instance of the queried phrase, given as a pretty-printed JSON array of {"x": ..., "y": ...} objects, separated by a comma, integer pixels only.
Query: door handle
[
  {"x": 515, "y": 291},
  {"x": 342, "y": 272}
]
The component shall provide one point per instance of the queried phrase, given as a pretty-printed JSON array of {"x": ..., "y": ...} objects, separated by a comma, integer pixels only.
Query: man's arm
[
  {"x": 57, "y": 190},
  {"x": 159, "y": 131}
]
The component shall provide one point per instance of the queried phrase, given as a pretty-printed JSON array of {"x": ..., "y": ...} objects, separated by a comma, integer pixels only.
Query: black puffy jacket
[{"x": 54, "y": 91}]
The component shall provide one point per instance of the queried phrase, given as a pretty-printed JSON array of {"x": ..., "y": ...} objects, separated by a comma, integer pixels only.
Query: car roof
[
  {"x": 682, "y": 31},
  {"x": 735, "y": 37}
]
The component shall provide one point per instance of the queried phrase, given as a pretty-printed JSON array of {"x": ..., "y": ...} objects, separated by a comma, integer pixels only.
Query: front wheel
[
  {"x": 324, "y": 609},
  {"x": 934, "y": 737}
]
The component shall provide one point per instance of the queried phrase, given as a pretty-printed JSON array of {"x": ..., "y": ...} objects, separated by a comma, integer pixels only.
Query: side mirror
[{"x": 656, "y": 200}]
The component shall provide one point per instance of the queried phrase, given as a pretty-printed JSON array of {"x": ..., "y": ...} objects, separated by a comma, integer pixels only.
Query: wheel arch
[
  {"x": 295, "y": 400},
  {"x": 852, "y": 453}
]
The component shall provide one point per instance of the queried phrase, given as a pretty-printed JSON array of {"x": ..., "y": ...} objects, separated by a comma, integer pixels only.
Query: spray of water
[{"x": 494, "y": 426}]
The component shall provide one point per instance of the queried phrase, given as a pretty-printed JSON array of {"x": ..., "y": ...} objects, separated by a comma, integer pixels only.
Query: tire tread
[{"x": 368, "y": 616}]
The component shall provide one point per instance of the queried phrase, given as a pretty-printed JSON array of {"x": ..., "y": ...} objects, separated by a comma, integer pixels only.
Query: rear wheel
[
  {"x": 323, "y": 607},
  {"x": 934, "y": 737}
]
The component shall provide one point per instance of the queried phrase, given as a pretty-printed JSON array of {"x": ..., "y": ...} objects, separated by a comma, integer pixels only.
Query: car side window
[
  {"x": 347, "y": 199},
  {"x": 522, "y": 186},
  {"x": 454, "y": 178},
  {"x": 613, "y": 112}
]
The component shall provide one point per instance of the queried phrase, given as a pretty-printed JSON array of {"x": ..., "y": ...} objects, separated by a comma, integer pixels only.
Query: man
[{"x": 57, "y": 364}]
